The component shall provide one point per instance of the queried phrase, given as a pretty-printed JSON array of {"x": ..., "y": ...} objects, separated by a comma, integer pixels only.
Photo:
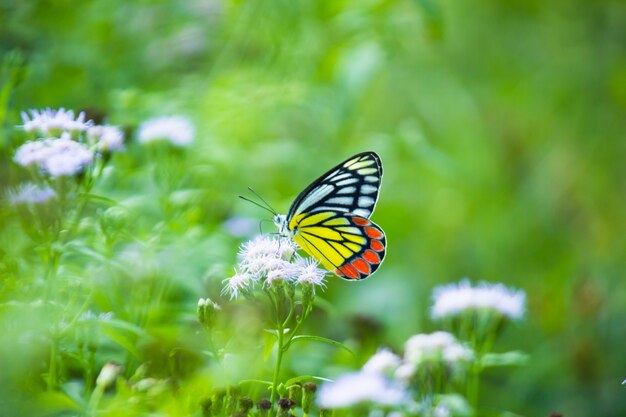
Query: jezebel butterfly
[{"x": 330, "y": 221}]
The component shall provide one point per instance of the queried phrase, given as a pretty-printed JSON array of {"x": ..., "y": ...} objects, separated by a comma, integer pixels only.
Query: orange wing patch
[{"x": 368, "y": 258}]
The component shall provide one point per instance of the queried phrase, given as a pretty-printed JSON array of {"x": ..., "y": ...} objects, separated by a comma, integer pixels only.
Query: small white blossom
[
  {"x": 277, "y": 270},
  {"x": 454, "y": 299},
  {"x": 236, "y": 284},
  {"x": 55, "y": 157},
  {"x": 90, "y": 315},
  {"x": 306, "y": 272},
  {"x": 437, "y": 346},
  {"x": 51, "y": 122},
  {"x": 31, "y": 193},
  {"x": 106, "y": 138},
  {"x": 384, "y": 361},
  {"x": 360, "y": 387},
  {"x": 177, "y": 130},
  {"x": 405, "y": 371}
]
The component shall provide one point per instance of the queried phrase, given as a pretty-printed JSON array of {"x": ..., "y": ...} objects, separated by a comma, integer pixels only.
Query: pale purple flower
[
  {"x": 52, "y": 122},
  {"x": 437, "y": 346},
  {"x": 454, "y": 299},
  {"x": 384, "y": 362},
  {"x": 31, "y": 193},
  {"x": 55, "y": 157},
  {"x": 177, "y": 130},
  {"x": 106, "y": 138},
  {"x": 361, "y": 387}
]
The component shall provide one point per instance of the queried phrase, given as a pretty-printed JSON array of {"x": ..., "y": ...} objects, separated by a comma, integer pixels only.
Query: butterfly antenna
[
  {"x": 263, "y": 200},
  {"x": 257, "y": 204}
]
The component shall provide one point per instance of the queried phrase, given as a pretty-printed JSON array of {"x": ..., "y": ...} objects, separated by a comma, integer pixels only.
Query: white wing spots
[
  {"x": 348, "y": 190},
  {"x": 331, "y": 208},
  {"x": 367, "y": 171},
  {"x": 370, "y": 178},
  {"x": 347, "y": 181},
  {"x": 332, "y": 174},
  {"x": 361, "y": 164},
  {"x": 368, "y": 189},
  {"x": 350, "y": 162},
  {"x": 362, "y": 212},
  {"x": 366, "y": 201},
  {"x": 315, "y": 196},
  {"x": 341, "y": 176},
  {"x": 343, "y": 201}
]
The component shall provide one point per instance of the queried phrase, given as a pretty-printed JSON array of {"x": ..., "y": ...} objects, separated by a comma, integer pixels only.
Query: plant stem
[{"x": 279, "y": 358}]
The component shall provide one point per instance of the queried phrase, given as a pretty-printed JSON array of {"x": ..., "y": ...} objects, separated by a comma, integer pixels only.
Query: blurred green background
[{"x": 500, "y": 124}]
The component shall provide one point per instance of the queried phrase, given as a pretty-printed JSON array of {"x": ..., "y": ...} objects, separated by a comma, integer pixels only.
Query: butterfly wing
[
  {"x": 330, "y": 219},
  {"x": 350, "y": 187},
  {"x": 352, "y": 246}
]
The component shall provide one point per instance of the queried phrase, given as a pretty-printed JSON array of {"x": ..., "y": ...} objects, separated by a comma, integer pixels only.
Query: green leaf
[
  {"x": 256, "y": 381},
  {"x": 514, "y": 358},
  {"x": 90, "y": 196},
  {"x": 122, "y": 340},
  {"x": 306, "y": 337},
  {"x": 306, "y": 378}
]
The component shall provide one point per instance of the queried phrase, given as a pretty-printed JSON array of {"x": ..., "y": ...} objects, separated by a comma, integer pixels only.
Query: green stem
[
  {"x": 52, "y": 370},
  {"x": 279, "y": 359},
  {"x": 92, "y": 407}
]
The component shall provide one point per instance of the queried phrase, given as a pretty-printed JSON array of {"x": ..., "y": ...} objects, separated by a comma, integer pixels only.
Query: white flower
[
  {"x": 48, "y": 121},
  {"x": 437, "y": 346},
  {"x": 177, "y": 130},
  {"x": 31, "y": 193},
  {"x": 405, "y": 371},
  {"x": 384, "y": 362},
  {"x": 237, "y": 284},
  {"x": 306, "y": 272},
  {"x": 358, "y": 387},
  {"x": 106, "y": 138},
  {"x": 265, "y": 254},
  {"x": 454, "y": 299},
  {"x": 55, "y": 157},
  {"x": 90, "y": 315},
  {"x": 277, "y": 270}
]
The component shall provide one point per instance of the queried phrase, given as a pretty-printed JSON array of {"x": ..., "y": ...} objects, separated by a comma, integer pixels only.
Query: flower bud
[
  {"x": 295, "y": 394},
  {"x": 264, "y": 407},
  {"x": 245, "y": 404},
  {"x": 109, "y": 374},
  {"x": 308, "y": 395},
  {"x": 206, "y": 312},
  {"x": 284, "y": 406},
  {"x": 206, "y": 405}
]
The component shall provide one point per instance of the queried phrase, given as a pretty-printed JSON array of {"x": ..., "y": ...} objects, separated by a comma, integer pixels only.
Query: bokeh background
[{"x": 500, "y": 124}]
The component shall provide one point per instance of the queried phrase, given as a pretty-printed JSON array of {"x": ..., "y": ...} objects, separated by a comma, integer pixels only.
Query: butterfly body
[{"x": 330, "y": 219}]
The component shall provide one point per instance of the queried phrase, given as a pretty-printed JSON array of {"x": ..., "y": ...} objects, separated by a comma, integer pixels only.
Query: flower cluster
[
  {"x": 64, "y": 145},
  {"x": 56, "y": 157},
  {"x": 50, "y": 122},
  {"x": 270, "y": 261},
  {"x": 385, "y": 378},
  {"x": 454, "y": 299},
  {"x": 177, "y": 130}
]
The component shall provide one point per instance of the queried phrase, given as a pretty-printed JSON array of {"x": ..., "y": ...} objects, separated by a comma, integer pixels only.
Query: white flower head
[
  {"x": 177, "y": 130},
  {"x": 108, "y": 374},
  {"x": 437, "y": 346},
  {"x": 306, "y": 271},
  {"x": 454, "y": 299},
  {"x": 52, "y": 122},
  {"x": 106, "y": 138},
  {"x": 236, "y": 284},
  {"x": 383, "y": 362},
  {"x": 277, "y": 270},
  {"x": 31, "y": 193},
  {"x": 262, "y": 254},
  {"x": 360, "y": 387},
  {"x": 55, "y": 157},
  {"x": 405, "y": 371}
]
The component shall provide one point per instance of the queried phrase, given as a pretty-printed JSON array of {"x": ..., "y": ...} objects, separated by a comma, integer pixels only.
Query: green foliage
[{"x": 500, "y": 125}]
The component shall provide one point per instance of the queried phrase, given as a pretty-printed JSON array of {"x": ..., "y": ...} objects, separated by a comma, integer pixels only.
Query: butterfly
[{"x": 330, "y": 221}]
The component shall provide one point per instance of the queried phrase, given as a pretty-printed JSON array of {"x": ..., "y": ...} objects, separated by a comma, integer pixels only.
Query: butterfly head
[{"x": 280, "y": 220}]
